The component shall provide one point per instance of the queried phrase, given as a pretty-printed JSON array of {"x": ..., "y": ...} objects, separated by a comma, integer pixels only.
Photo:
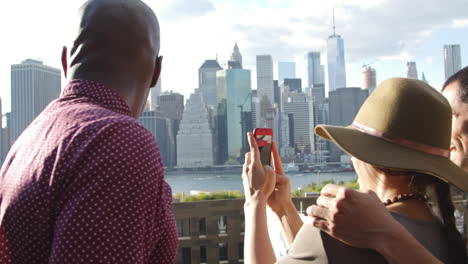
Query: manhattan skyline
[{"x": 199, "y": 30}]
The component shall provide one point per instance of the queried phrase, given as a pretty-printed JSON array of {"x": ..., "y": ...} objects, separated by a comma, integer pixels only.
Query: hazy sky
[{"x": 389, "y": 31}]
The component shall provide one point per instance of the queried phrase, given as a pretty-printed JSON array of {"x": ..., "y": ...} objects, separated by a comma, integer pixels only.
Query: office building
[
  {"x": 321, "y": 145},
  {"x": 171, "y": 106},
  {"x": 234, "y": 90},
  {"x": 195, "y": 138},
  {"x": 286, "y": 69},
  {"x": 344, "y": 104},
  {"x": 33, "y": 86},
  {"x": 369, "y": 79},
  {"x": 162, "y": 130},
  {"x": 411, "y": 71},
  {"x": 237, "y": 56},
  {"x": 265, "y": 91},
  {"x": 315, "y": 70},
  {"x": 301, "y": 115},
  {"x": 207, "y": 81},
  {"x": 294, "y": 85},
  {"x": 452, "y": 59},
  {"x": 154, "y": 93},
  {"x": 276, "y": 92},
  {"x": 255, "y": 111},
  {"x": 336, "y": 61}
]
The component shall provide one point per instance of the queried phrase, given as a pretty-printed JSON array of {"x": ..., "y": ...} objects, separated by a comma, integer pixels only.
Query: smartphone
[{"x": 264, "y": 137}]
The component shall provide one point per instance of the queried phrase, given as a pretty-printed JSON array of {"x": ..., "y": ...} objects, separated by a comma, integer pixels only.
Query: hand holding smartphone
[
  {"x": 264, "y": 137},
  {"x": 263, "y": 140}
]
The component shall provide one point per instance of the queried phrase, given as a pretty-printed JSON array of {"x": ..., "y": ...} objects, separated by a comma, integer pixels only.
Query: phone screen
[{"x": 264, "y": 145}]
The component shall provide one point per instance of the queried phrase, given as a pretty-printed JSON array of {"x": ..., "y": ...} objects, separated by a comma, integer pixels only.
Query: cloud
[
  {"x": 460, "y": 23},
  {"x": 175, "y": 10}
]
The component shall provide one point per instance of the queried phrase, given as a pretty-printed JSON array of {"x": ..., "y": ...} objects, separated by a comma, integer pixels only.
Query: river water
[{"x": 231, "y": 181}]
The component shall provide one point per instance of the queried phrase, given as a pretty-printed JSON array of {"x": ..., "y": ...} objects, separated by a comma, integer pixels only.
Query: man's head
[
  {"x": 118, "y": 45},
  {"x": 455, "y": 90}
]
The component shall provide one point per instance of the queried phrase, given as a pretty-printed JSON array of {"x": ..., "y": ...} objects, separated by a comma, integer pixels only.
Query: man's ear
[
  {"x": 64, "y": 61},
  {"x": 157, "y": 71}
]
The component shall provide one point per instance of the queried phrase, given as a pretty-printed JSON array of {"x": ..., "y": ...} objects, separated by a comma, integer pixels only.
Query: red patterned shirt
[{"x": 84, "y": 183}]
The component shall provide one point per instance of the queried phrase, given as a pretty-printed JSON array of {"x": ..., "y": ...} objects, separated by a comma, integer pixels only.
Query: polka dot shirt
[{"x": 84, "y": 183}]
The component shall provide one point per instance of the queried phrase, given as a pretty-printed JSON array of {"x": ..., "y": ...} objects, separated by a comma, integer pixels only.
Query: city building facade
[
  {"x": 336, "y": 61},
  {"x": 369, "y": 79},
  {"x": 265, "y": 91},
  {"x": 315, "y": 70},
  {"x": 162, "y": 130},
  {"x": 33, "y": 86},
  {"x": 344, "y": 104},
  {"x": 294, "y": 85},
  {"x": 237, "y": 56},
  {"x": 452, "y": 59},
  {"x": 301, "y": 115},
  {"x": 195, "y": 138},
  {"x": 207, "y": 81},
  {"x": 411, "y": 70},
  {"x": 234, "y": 89}
]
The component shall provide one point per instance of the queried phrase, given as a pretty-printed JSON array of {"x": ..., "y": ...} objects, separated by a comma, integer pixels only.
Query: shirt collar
[{"x": 104, "y": 96}]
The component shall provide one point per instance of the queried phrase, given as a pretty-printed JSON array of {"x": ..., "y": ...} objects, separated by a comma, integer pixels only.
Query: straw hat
[{"x": 404, "y": 124}]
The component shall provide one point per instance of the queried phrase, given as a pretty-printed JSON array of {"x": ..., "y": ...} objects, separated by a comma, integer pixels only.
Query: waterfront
[{"x": 231, "y": 181}]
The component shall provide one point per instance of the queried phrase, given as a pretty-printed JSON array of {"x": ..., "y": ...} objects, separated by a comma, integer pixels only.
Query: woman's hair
[{"x": 422, "y": 182}]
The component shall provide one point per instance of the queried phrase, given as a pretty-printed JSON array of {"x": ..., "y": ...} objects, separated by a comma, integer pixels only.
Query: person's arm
[
  {"x": 361, "y": 220},
  {"x": 257, "y": 244},
  {"x": 117, "y": 206},
  {"x": 280, "y": 201}
]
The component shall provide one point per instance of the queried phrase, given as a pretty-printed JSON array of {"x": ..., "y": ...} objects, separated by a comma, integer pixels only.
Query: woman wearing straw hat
[{"x": 400, "y": 143}]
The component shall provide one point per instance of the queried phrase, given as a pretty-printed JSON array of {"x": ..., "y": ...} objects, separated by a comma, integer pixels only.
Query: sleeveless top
[{"x": 314, "y": 246}]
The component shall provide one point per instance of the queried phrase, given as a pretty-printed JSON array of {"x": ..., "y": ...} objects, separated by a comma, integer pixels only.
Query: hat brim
[{"x": 381, "y": 153}]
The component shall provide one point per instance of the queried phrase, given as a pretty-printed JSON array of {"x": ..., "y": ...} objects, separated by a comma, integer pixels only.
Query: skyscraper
[
  {"x": 369, "y": 79},
  {"x": 33, "y": 86},
  {"x": 336, "y": 61},
  {"x": 265, "y": 90},
  {"x": 195, "y": 137},
  {"x": 236, "y": 55},
  {"x": 294, "y": 85},
  {"x": 452, "y": 59},
  {"x": 207, "y": 81},
  {"x": 411, "y": 71},
  {"x": 315, "y": 69},
  {"x": 344, "y": 103},
  {"x": 162, "y": 130},
  {"x": 286, "y": 69},
  {"x": 301, "y": 114},
  {"x": 234, "y": 90},
  {"x": 170, "y": 107}
]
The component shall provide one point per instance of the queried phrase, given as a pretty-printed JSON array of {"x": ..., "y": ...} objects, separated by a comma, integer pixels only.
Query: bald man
[{"x": 84, "y": 183}]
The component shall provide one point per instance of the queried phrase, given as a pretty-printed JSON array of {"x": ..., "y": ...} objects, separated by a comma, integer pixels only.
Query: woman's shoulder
[{"x": 430, "y": 234}]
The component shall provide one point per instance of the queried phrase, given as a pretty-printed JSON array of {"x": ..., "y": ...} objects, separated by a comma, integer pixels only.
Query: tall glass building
[
  {"x": 234, "y": 89},
  {"x": 207, "y": 81},
  {"x": 452, "y": 59},
  {"x": 33, "y": 86},
  {"x": 336, "y": 63}
]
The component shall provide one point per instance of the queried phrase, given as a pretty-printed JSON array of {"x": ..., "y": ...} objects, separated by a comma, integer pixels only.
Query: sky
[{"x": 387, "y": 33}]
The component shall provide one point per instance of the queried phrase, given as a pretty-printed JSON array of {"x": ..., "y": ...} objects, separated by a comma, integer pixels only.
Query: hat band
[{"x": 401, "y": 141}]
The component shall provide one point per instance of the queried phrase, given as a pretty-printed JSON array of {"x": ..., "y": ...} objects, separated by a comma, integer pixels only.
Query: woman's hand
[
  {"x": 258, "y": 180},
  {"x": 280, "y": 198}
]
